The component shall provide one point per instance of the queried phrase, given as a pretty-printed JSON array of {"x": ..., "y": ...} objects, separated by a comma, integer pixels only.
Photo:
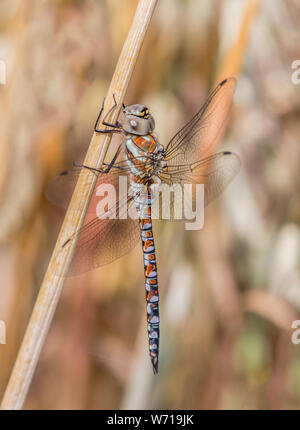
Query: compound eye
[{"x": 145, "y": 113}]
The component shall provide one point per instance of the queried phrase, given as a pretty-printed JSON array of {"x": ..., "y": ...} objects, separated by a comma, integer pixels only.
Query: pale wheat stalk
[{"x": 50, "y": 291}]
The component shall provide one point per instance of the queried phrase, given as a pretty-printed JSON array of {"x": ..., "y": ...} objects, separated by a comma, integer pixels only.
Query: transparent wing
[
  {"x": 214, "y": 172},
  {"x": 101, "y": 241},
  {"x": 60, "y": 189},
  {"x": 105, "y": 235},
  {"x": 200, "y": 136}
]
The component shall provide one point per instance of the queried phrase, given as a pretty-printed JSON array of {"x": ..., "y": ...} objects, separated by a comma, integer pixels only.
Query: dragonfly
[{"x": 188, "y": 158}]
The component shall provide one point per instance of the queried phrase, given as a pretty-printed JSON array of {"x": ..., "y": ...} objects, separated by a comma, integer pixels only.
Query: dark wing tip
[
  {"x": 66, "y": 242},
  {"x": 227, "y": 153},
  {"x": 64, "y": 172},
  {"x": 227, "y": 80}
]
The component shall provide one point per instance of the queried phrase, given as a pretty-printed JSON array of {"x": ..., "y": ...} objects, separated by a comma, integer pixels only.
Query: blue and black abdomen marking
[{"x": 151, "y": 284}]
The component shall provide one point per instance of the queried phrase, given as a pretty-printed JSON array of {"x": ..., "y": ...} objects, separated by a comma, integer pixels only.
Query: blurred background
[{"x": 230, "y": 292}]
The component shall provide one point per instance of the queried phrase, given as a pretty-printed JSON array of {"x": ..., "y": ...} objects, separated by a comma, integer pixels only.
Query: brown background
[{"x": 230, "y": 292}]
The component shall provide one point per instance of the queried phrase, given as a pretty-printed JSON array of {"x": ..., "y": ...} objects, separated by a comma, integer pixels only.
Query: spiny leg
[{"x": 115, "y": 126}]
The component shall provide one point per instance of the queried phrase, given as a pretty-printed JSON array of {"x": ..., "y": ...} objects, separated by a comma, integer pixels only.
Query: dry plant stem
[{"x": 50, "y": 291}]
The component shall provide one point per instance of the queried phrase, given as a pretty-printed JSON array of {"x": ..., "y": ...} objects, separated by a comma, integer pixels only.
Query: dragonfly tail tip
[{"x": 155, "y": 365}]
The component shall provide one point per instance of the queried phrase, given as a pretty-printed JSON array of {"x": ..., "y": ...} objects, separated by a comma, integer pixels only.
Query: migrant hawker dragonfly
[{"x": 187, "y": 159}]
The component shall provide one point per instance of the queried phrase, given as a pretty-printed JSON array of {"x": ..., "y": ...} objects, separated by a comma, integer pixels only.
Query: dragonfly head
[{"x": 136, "y": 119}]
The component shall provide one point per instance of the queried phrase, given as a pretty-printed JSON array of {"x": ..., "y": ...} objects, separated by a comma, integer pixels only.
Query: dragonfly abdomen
[{"x": 151, "y": 284}]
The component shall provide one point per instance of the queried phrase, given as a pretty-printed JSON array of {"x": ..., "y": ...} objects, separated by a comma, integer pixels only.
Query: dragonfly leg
[
  {"x": 108, "y": 165},
  {"x": 115, "y": 126},
  {"x": 94, "y": 169},
  {"x": 99, "y": 115},
  {"x": 103, "y": 131},
  {"x": 104, "y": 122}
]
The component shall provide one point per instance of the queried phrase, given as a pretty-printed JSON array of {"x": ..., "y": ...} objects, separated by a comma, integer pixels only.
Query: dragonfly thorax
[{"x": 145, "y": 155}]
